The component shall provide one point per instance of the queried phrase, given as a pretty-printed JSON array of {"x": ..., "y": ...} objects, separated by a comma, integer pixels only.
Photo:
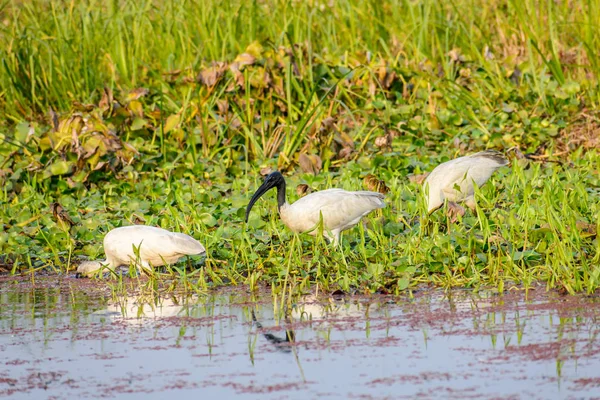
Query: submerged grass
[{"x": 164, "y": 113}]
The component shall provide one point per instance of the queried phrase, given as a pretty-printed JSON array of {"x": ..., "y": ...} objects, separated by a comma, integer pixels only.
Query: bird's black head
[{"x": 274, "y": 179}]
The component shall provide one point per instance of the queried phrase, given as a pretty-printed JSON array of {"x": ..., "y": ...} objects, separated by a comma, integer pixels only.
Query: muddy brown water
[{"x": 67, "y": 338}]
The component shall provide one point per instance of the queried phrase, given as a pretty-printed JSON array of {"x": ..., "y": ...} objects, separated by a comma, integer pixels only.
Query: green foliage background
[{"x": 164, "y": 112}]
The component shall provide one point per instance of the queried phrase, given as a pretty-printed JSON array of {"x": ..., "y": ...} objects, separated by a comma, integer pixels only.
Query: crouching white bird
[
  {"x": 454, "y": 180},
  {"x": 143, "y": 246},
  {"x": 340, "y": 209}
]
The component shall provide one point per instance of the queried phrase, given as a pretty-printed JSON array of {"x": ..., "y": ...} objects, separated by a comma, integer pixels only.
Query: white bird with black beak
[
  {"x": 142, "y": 246},
  {"x": 338, "y": 209},
  {"x": 454, "y": 180}
]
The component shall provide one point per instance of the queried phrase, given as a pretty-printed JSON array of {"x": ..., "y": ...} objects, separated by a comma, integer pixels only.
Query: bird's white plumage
[
  {"x": 156, "y": 246},
  {"x": 340, "y": 209},
  {"x": 454, "y": 180}
]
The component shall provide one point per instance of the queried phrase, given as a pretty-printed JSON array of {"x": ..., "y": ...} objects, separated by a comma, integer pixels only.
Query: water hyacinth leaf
[
  {"x": 207, "y": 219},
  {"x": 240, "y": 213},
  {"x": 571, "y": 88},
  {"x": 255, "y": 221},
  {"x": 561, "y": 94},
  {"x": 80, "y": 176},
  {"x": 375, "y": 269},
  {"x": 403, "y": 283},
  {"x": 239, "y": 201},
  {"x": 21, "y": 132},
  {"x": 60, "y": 167},
  {"x": 393, "y": 228},
  {"x": 405, "y": 109},
  {"x": 138, "y": 123},
  {"x": 525, "y": 255}
]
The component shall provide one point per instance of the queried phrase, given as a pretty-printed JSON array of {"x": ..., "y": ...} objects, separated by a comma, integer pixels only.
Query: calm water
[{"x": 69, "y": 339}]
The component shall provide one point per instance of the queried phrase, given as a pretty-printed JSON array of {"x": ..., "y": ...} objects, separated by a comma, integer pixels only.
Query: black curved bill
[{"x": 264, "y": 188}]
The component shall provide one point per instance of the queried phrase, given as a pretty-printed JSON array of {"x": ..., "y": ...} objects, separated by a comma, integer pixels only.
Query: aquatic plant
[{"x": 165, "y": 113}]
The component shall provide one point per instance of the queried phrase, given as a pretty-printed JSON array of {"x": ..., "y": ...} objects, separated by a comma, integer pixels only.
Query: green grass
[{"x": 389, "y": 89}]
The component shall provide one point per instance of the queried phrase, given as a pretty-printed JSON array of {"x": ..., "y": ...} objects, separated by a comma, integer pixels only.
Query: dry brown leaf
[
  {"x": 210, "y": 76},
  {"x": 382, "y": 141},
  {"x": 372, "y": 87},
  {"x": 60, "y": 214},
  {"x": 245, "y": 59},
  {"x": 266, "y": 171},
  {"x": 171, "y": 76},
  {"x": 515, "y": 153},
  {"x": 381, "y": 71},
  {"x": 260, "y": 78},
  {"x": 586, "y": 228},
  {"x": 344, "y": 153},
  {"x": 327, "y": 125},
  {"x": 99, "y": 165},
  {"x": 107, "y": 99},
  {"x": 238, "y": 77},
  {"x": 53, "y": 118},
  {"x": 374, "y": 184},
  {"x": 465, "y": 73},
  {"x": 175, "y": 72},
  {"x": 455, "y": 55},
  {"x": 302, "y": 189},
  {"x": 223, "y": 106},
  {"x": 138, "y": 219},
  {"x": 418, "y": 178},
  {"x": 82, "y": 107},
  {"x": 310, "y": 163},
  {"x": 344, "y": 139},
  {"x": 389, "y": 80},
  {"x": 277, "y": 85},
  {"x": 496, "y": 239},
  {"x": 136, "y": 94}
]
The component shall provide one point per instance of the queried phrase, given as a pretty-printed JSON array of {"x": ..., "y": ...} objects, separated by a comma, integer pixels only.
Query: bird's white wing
[
  {"x": 484, "y": 164},
  {"x": 461, "y": 172},
  {"x": 186, "y": 244},
  {"x": 446, "y": 175},
  {"x": 160, "y": 248},
  {"x": 340, "y": 209},
  {"x": 155, "y": 244}
]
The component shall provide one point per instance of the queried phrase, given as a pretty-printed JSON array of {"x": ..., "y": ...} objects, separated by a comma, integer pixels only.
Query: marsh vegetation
[{"x": 168, "y": 113}]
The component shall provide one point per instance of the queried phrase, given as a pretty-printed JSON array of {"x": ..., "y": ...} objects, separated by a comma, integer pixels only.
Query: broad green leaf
[{"x": 21, "y": 131}]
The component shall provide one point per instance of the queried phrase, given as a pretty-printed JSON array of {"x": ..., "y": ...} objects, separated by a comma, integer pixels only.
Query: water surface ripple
[{"x": 67, "y": 339}]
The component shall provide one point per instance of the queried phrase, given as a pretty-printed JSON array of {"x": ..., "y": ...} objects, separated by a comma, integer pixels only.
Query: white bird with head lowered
[
  {"x": 339, "y": 209},
  {"x": 454, "y": 180},
  {"x": 143, "y": 246}
]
